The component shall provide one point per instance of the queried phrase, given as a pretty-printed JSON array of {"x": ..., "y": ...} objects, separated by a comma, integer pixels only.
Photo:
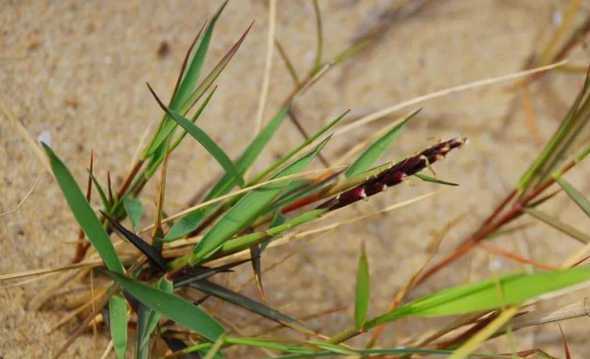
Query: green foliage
[
  {"x": 118, "y": 319},
  {"x": 189, "y": 222},
  {"x": 487, "y": 295},
  {"x": 248, "y": 208},
  {"x": 134, "y": 210},
  {"x": 362, "y": 290},
  {"x": 83, "y": 213},
  {"x": 562, "y": 140},
  {"x": 172, "y": 306},
  {"x": 372, "y": 154}
]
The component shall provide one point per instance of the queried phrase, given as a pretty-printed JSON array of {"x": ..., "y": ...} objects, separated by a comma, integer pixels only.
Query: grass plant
[{"x": 151, "y": 292}]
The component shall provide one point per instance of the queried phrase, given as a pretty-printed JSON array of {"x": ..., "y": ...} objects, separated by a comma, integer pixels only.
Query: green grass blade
[
  {"x": 83, "y": 213},
  {"x": 362, "y": 290},
  {"x": 191, "y": 75},
  {"x": 372, "y": 154},
  {"x": 195, "y": 117},
  {"x": 173, "y": 307},
  {"x": 200, "y": 136},
  {"x": 191, "y": 221},
  {"x": 134, "y": 210},
  {"x": 186, "y": 87},
  {"x": 242, "y": 301},
  {"x": 487, "y": 295},
  {"x": 559, "y": 225},
  {"x": 214, "y": 350},
  {"x": 333, "y": 348},
  {"x": 118, "y": 318},
  {"x": 141, "y": 347},
  {"x": 427, "y": 178},
  {"x": 167, "y": 128},
  {"x": 101, "y": 193},
  {"x": 281, "y": 162},
  {"x": 563, "y": 138},
  {"x": 153, "y": 318},
  {"x": 209, "y": 80},
  {"x": 240, "y": 243},
  {"x": 576, "y": 196},
  {"x": 248, "y": 208},
  {"x": 148, "y": 320}
]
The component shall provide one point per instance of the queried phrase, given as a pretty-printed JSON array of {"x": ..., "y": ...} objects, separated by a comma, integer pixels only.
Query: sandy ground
[{"x": 77, "y": 71}]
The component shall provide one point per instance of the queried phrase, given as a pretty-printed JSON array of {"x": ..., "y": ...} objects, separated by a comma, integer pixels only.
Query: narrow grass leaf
[
  {"x": 134, "y": 210},
  {"x": 191, "y": 221},
  {"x": 153, "y": 317},
  {"x": 191, "y": 75},
  {"x": 118, "y": 318},
  {"x": 372, "y": 154},
  {"x": 248, "y": 208},
  {"x": 214, "y": 350},
  {"x": 559, "y": 225},
  {"x": 281, "y": 162},
  {"x": 147, "y": 249},
  {"x": 101, "y": 193},
  {"x": 172, "y": 306},
  {"x": 490, "y": 294},
  {"x": 246, "y": 241},
  {"x": 240, "y": 300},
  {"x": 83, "y": 213},
  {"x": 362, "y": 289},
  {"x": 195, "y": 117},
  {"x": 333, "y": 348},
  {"x": 186, "y": 85},
  {"x": 141, "y": 345},
  {"x": 427, "y": 178},
  {"x": 200, "y": 136},
  {"x": 563, "y": 138},
  {"x": 576, "y": 196},
  {"x": 209, "y": 80}
]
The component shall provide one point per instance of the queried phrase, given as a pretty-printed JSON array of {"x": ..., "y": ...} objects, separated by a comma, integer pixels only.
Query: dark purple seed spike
[{"x": 393, "y": 175}]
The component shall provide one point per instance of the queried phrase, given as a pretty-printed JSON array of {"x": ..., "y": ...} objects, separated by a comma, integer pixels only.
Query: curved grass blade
[
  {"x": 248, "y": 208},
  {"x": 242, "y": 301},
  {"x": 368, "y": 158},
  {"x": 134, "y": 210},
  {"x": 576, "y": 196},
  {"x": 195, "y": 117},
  {"x": 172, "y": 306},
  {"x": 118, "y": 318},
  {"x": 490, "y": 294},
  {"x": 83, "y": 212},
  {"x": 147, "y": 249},
  {"x": 191, "y": 221},
  {"x": 200, "y": 136},
  {"x": 362, "y": 290}
]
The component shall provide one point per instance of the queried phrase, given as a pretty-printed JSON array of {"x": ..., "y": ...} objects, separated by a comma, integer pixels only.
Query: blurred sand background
[{"x": 77, "y": 71}]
